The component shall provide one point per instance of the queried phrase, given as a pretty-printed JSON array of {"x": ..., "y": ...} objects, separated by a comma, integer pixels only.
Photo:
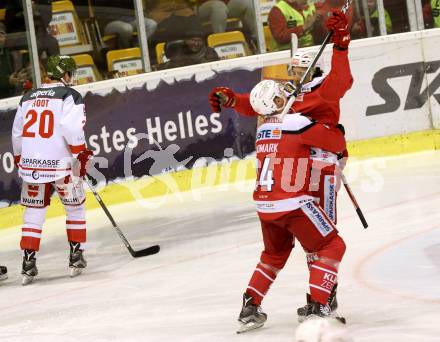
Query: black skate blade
[
  {"x": 340, "y": 319},
  {"x": 249, "y": 326},
  {"x": 144, "y": 252}
]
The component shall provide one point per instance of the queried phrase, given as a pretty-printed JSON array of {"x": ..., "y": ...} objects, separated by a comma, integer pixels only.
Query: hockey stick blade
[
  {"x": 144, "y": 252},
  {"x": 135, "y": 254}
]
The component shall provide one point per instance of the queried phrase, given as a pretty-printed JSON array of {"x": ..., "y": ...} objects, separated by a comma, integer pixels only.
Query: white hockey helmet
[
  {"x": 263, "y": 97},
  {"x": 303, "y": 58}
]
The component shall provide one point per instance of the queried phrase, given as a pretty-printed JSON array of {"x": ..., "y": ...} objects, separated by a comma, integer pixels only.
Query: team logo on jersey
[
  {"x": 35, "y": 174},
  {"x": 330, "y": 197},
  {"x": 33, "y": 190},
  {"x": 61, "y": 192},
  {"x": 49, "y": 92},
  {"x": 264, "y": 134}
]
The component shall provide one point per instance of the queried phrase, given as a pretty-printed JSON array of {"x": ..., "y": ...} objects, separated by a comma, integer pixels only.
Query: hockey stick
[
  {"x": 355, "y": 203},
  {"x": 135, "y": 254},
  {"x": 311, "y": 66},
  {"x": 293, "y": 49}
]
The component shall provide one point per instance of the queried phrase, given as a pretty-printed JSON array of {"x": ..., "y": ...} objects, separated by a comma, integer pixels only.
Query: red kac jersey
[{"x": 284, "y": 161}]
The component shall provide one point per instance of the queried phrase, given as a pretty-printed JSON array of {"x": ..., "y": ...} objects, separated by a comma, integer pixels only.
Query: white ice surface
[{"x": 191, "y": 291}]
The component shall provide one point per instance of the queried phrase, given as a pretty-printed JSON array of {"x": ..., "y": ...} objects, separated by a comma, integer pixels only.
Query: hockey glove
[
  {"x": 339, "y": 25},
  {"x": 17, "y": 160},
  {"x": 221, "y": 97},
  {"x": 83, "y": 157}
]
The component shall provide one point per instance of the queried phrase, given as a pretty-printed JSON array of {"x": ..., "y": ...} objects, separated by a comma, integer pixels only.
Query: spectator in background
[
  {"x": 47, "y": 44},
  {"x": 431, "y": 14},
  {"x": 325, "y": 9},
  {"x": 159, "y": 10},
  {"x": 218, "y": 11},
  {"x": 374, "y": 18},
  {"x": 6, "y": 66},
  {"x": 126, "y": 25},
  {"x": 292, "y": 16},
  {"x": 23, "y": 79},
  {"x": 175, "y": 18},
  {"x": 192, "y": 49},
  {"x": 14, "y": 19}
]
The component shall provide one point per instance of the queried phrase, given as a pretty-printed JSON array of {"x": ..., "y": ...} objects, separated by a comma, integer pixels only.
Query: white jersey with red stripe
[
  {"x": 48, "y": 131},
  {"x": 285, "y": 162}
]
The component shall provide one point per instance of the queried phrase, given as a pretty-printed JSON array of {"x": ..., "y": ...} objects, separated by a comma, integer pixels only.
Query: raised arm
[
  {"x": 225, "y": 97},
  {"x": 339, "y": 80}
]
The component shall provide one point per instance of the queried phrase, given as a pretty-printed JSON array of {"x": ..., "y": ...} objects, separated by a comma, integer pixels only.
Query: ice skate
[
  {"x": 29, "y": 268},
  {"x": 76, "y": 261},
  {"x": 251, "y": 316},
  {"x": 332, "y": 302},
  {"x": 3, "y": 273},
  {"x": 315, "y": 309}
]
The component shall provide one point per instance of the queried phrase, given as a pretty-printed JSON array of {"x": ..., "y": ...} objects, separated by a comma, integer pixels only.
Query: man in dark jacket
[{"x": 190, "y": 49}]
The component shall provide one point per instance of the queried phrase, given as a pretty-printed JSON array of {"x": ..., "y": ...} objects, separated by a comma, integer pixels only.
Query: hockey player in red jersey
[
  {"x": 286, "y": 207},
  {"x": 51, "y": 155},
  {"x": 319, "y": 100}
]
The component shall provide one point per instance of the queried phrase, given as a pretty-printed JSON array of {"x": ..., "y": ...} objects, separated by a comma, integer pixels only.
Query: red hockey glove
[
  {"x": 83, "y": 157},
  {"x": 17, "y": 160},
  {"x": 339, "y": 25},
  {"x": 221, "y": 97}
]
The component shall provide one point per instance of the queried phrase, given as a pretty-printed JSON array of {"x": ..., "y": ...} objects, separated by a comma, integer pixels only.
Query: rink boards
[{"x": 394, "y": 100}]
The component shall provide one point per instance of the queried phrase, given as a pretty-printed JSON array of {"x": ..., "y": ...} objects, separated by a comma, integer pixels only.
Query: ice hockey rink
[{"x": 191, "y": 291}]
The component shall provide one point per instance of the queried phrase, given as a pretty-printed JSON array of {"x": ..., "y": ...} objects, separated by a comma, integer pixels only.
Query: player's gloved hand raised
[
  {"x": 83, "y": 157},
  {"x": 221, "y": 97},
  {"x": 339, "y": 25}
]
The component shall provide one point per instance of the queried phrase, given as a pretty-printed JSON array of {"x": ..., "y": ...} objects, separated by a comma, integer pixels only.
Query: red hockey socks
[
  {"x": 76, "y": 223},
  {"x": 322, "y": 279},
  {"x": 324, "y": 271},
  {"x": 260, "y": 282}
]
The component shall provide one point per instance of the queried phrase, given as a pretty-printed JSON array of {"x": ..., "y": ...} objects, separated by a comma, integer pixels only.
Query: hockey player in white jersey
[{"x": 51, "y": 155}]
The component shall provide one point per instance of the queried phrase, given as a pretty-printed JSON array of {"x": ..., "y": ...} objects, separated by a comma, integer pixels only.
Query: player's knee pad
[
  {"x": 76, "y": 212},
  {"x": 332, "y": 252},
  {"x": 275, "y": 261},
  {"x": 34, "y": 217}
]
